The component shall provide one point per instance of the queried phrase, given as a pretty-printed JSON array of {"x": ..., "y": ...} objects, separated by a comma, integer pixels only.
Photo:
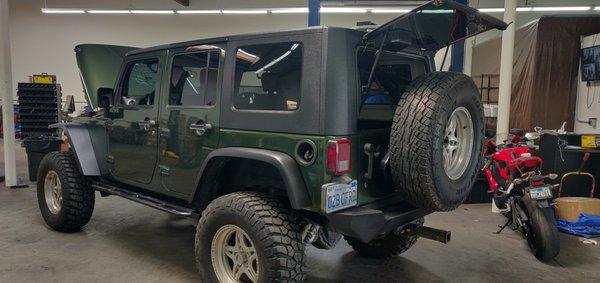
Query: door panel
[
  {"x": 190, "y": 122},
  {"x": 133, "y": 138}
]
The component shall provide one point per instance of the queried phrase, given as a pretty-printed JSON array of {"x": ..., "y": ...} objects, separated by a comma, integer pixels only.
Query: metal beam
[
  {"x": 6, "y": 90},
  {"x": 183, "y": 2},
  {"x": 314, "y": 17}
]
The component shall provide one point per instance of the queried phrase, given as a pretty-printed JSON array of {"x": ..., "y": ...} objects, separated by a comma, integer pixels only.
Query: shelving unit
[{"x": 39, "y": 107}]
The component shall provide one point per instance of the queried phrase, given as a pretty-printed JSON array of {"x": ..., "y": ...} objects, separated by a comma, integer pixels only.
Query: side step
[{"x": 146, "y": 200}]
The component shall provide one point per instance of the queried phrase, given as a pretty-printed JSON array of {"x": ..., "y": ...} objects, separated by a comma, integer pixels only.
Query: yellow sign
[
  {"x": 589, "y": 141},
  {"x": 44, "y": 79}
]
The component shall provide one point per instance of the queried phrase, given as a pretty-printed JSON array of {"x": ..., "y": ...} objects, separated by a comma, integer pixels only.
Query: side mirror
[
  {"x": 69, "y": 106},
  {"x": 532, "y": 136},
  {"x": 105, "y": 97}
]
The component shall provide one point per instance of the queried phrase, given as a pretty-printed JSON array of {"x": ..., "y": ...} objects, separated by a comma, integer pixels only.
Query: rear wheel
[
  {"x": 436, "y": 140},
  {"x": 393, "y": 244},
  {"x": 249, "y": 237},
  {"x": 541, "y": 231}
]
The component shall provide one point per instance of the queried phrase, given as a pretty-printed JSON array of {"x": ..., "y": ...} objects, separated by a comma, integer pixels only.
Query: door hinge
[{"x": 164, "y": 170}]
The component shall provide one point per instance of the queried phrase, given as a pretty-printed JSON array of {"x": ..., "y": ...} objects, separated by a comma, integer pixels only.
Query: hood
[
  {"x": 433, "y": 26},
  {"x": 99, "y": 66}
]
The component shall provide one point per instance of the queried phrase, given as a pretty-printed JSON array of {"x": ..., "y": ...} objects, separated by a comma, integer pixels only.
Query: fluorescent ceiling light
[
  {"x": 492, "y": 10},
  {"x": 389, "y": 11},
  {"x": 244, "y": 11},
  {"x": 573, "y": 8},
  {"x": 441, "y": 11},
  {"x": 290, "y": 11},
  {"x": 524, "y": 9},
  {"x": 198, "y": 11},
  {"x": 597, "y": 8},
  {"x": 342, "y": 10},
  {"x": 62, "y": 11},
  {"x": 152, "y": 11},
  {"x": 109, "y": 11}
]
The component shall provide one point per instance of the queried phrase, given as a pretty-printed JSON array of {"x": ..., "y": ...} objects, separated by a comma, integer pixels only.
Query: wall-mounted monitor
[{"x": 590, "y": 63}]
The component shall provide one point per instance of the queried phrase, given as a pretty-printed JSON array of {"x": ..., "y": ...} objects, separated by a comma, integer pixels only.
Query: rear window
[
  {"x": 268, "y": 76},
  {"x": 393, "y": 74}
]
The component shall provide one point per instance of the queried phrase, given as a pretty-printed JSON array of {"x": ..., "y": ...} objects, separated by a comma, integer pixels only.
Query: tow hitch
[{"x": 442, "y": 236}]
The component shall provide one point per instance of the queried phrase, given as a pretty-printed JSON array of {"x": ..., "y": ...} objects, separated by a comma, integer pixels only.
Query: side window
[
  {"x": 194, "y": 79},
  {"x": 268, "y": 77},
  {"x": 139, "y": 83}
]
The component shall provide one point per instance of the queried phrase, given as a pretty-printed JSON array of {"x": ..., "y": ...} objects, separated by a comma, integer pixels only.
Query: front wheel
[
  {"x": 65, "y": 197},
  {"x": 249, "y": 237},
  {"x": 542, "y": 235}
]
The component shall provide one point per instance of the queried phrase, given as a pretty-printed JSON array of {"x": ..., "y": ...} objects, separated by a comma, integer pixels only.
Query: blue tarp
[{"x": 587, "y": 226}]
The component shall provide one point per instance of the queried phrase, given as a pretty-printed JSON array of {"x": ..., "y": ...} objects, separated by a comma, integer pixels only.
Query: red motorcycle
[{"x": 521, "y": 193}]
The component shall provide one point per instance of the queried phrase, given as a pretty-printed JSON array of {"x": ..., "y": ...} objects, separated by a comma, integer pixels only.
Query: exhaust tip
[{"x": 438, "y": 235}]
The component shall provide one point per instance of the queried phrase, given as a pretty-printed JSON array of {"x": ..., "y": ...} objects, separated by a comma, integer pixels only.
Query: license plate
[
  {"x": 540, "y": 193},
  {"x": 340, "y": 196}
]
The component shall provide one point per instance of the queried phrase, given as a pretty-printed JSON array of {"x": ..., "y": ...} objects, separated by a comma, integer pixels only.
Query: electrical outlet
[{"x": 592, "y": 122}]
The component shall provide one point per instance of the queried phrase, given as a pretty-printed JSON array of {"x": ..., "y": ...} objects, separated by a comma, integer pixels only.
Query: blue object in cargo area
[{"x": 587, "y": 226}]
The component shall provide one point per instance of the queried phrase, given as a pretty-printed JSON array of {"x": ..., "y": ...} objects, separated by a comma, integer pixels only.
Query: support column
[
  {"x": 469, "y": 43},
  {"x": 457, "y": 53},
  {"x": 506, "y": 68},
  {"x": 314, "y": 17},
  {"x": 6, "y": 90}
]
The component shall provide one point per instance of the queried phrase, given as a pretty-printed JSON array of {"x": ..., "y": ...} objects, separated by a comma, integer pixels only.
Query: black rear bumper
[{"x": 367, "y": 222}]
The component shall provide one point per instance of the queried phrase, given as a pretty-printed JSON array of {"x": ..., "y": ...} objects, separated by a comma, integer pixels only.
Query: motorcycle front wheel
[{"x": 540, "y": 230}]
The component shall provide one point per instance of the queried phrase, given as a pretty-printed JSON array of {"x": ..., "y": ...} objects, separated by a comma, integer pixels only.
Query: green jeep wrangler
[{"x": 274, "y": 141}]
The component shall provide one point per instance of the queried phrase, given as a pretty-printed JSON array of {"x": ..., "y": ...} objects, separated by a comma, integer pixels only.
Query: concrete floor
[{"x": 128, "y": 242}]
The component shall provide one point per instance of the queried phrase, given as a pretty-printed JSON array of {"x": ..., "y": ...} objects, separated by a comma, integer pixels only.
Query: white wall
[
  {"x": 45, "y": 42},
  {"x": 588, "y": 97}
]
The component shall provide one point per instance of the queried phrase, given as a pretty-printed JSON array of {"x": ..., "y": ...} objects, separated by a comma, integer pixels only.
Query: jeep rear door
[
  {"x": 189, "y": 116},
  {"x": 433, "y": 26}
]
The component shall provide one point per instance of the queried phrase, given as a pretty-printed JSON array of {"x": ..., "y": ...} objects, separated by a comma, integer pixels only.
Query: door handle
[
  {"x": 201, "y": 128},
  {"x": 147, "y": 123}
]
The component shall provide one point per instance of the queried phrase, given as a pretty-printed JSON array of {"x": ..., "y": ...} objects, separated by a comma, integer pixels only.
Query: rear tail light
[{"x": 338, "y": 156}]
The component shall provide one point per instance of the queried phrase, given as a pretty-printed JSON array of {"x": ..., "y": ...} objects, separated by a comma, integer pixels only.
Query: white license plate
[
  {"x": 340, "y": 196},
  {"x": 540, "y": 193}
]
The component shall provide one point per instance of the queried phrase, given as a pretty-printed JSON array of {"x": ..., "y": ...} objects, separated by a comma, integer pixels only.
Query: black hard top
[{"x": 299, "y": 31}]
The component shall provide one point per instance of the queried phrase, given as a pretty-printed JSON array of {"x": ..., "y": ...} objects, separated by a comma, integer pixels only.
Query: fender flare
[
  {"x": 82, "y": 144},
  {"x": 286, "y": 165}
]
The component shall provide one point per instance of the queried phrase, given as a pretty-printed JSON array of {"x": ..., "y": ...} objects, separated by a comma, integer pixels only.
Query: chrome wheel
[
  {"x": 458, "y": 143},
  {"x": 233, "y": 254},
  {"x": 53, "y": 192}
]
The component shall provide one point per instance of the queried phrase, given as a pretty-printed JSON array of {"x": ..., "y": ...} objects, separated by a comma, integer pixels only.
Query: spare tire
[{"x": 436, "y": 140}]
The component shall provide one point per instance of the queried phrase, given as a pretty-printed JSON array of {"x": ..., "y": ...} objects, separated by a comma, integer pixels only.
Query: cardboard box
[{"x": 569, "y": 208}]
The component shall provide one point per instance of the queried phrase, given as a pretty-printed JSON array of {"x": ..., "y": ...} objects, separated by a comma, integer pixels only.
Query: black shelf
[{"x": 39, "y": 107}]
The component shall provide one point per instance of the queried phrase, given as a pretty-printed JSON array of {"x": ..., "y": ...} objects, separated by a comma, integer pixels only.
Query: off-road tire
[
  {"x": 273, "y": 228},
  {"x": 78, "y": 196},
  {"x": 545, "y": 241},
  {"x": 417, "y": 137},
  {"x": 392, "y": 245}
]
